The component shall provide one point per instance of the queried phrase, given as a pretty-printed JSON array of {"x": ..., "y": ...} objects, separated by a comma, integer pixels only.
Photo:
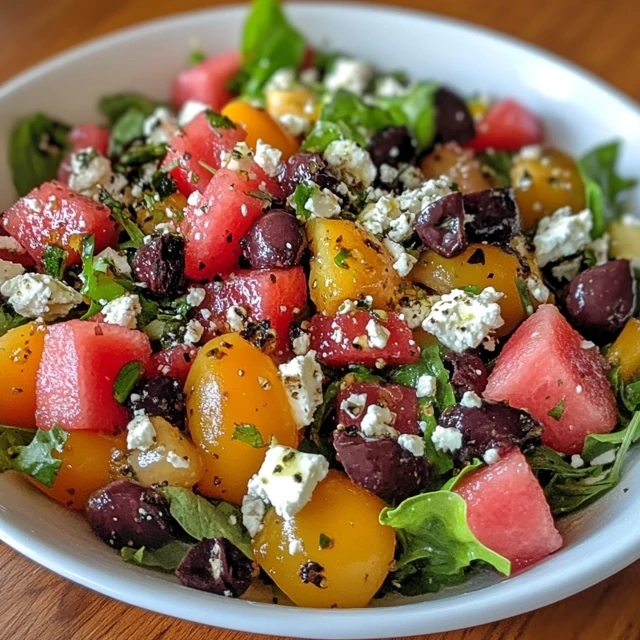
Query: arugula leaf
[
  {"x": 10, "y": 320},
  {"x": 54, "y": 261},
  {"x": 116, "y": 105},
  {"x": 127, "y": 128},
  {"x": 126, "y": 380},
  {"x": 432, "y": 527},
  {"x": 166, "y": 558},
  {"x": 603, "y": 185},
  {"x": 35, "y": 459},
  {"x": 36, "y": 148},
  {"x": 500, "y": 163},
  {"x": 203, "y": 520},
  {"x": 324, "y": 133},
  {"x": 249, "y": 434},
  {"x": 136, "y": 236},
  {"x": 10, "y": 438}
]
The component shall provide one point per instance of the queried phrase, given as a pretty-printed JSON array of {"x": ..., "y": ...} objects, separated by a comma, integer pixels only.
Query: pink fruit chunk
[
  {"x": 174, "y": 362},
  {"x": 507, "y": 511},
  {"x": 80, "y": 363},
  {"x": 549, "y": 369}
]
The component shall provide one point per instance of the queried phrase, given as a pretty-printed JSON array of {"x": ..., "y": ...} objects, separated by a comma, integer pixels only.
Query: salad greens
[
  {"x": 127, "y": 379},
  {"x": 10, "y": 320},
  {"x": 166, "y": 558}
]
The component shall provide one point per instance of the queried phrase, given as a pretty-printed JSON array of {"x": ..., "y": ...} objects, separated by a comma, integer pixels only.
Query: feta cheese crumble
[
  {"x": 236, "y": 318},
  {"x": 110, "y": 257},
  {"x": 196, "y": 296},
  {"x": 301, "y": 344},
  {"x": 268, "y": 158},
  {"x": 91, "y": 171},
  {"x": 426, "y": 386},
  {"x": 378, "y": 336},
  {"x": 294, "y": 124},
  {"x": 350, "y": 162},
  {"x": 240, "y": 158},
  {"x": 189, "y": 110},
  {"x": 577, "y": 461},
  {"x": 323, "y": 204},
  {"x": 446, "y": 439},
  {"x": 354, "y": 404},
  {"x": 562, "y": 234},
  {"x": 537, "y": 289},
  {"x": 123, "y": 311},
  {"x": 491, "y": 456},
  {"x": 9, "y": 270},
  {"x": 287, "y": 478},
  {"x": 462, "y": 320},
  {"x": 35, "y": 295},
  {"x": 253, "y": 510},
  {"x": 302, "y": 378},
  {"x": 141, "y": 433},
  {"x": 470, "y": 400},
  {"x": 378, "y": 422},
  {"x": 608, "y": 457},
  {"x": 350, "y": 74},
  {"x": 193, "y": 332},
  {"x": 160, "y": 126},
  {"x": 403, "y": 260},
  {"x": 413, "y": 444}
]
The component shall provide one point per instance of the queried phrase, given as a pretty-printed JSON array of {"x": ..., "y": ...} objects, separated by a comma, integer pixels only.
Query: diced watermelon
[
  {"x": 12, "y": 251},
  {"x": 277, "y": 295},
  {"x": 80, "y": 363},
  {"x": 397, "y": 398},
  {"x": 548, "y": 369},
  {"x": 199, "y": 144},
  {"x": 224, "y": 213},
  {"x": 507, "y": 511},
  {"x": 55, "y": 214},
  {"x": 332, "y": 337},
  {"x": 81, "y": 137},
  {"x": 174, "y": 362},
  {"x": 207, "y": 81}
]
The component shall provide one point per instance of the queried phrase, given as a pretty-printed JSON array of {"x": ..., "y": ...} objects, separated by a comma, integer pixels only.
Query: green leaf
[
  {"x": 123, "y": 218},
  {"x": 325, "y": 541},
  {"x": 558, "y": 411},
  {"x": 441, "y": 462},
  {"x": 9, "y": 319},
  {"x": 196, "y": 57},
  {"x": 35, "y": 459},
  {"x": 472, "y": 288},
  {"x": 452, "y": 483},
  {"x": 500, "y": 163},
  {"x": 142, "y": 154},
  {"x": 128, "y": 127},
  {"x": 164, "y": 184},
  {"x": 218, "y": 121},
  {"x": 116, "y": 105},
  {"x": 525, "y": 296},
  {"x": 433, "y": 527},
  {"x": 340, "y": 258},
  {"x": 301, "y": 196},
  {"x": 127, "y": 379},
  {"x": 603, "y": 185},
  {"x": 54, "y": 261},
  {"x": 249, "y": 434},
  {"x": 324, "y": 133},
  {"x": 10, "y": 439},
  {"x": 36, "y": 148},
  {"x": 166, "y": 558},
  {"x": 203, "y": 520}
]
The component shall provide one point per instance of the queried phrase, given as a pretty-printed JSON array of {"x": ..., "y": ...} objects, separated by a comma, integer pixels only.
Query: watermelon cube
[
  {"x": 80, "y": 363},
  {"x": 55, "y": 214},
  {"x": 174, "y": 362},
  {"x": 343, "y": 339},
  {"x": 397, "y": 398},
  {"x": 200, "y": 143},
  {"x": 507, "y": 511},
  {"x": 548, "y": 369},
  {"x": 216, "y": 221},
  {"x": 277, "y": 295}
]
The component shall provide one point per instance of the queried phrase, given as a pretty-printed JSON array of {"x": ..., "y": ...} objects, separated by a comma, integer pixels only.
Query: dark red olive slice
[
  {"x": 440, "y": 226},
  {"x": 492, "y": 215},
  {"x": 468, "y": 372},
  {"x": 392, "y": 146},
  {"x": 454, "y": 122},
  {"x": 306, "y": 167},
  {"x": 159, "y": 396},
  {"x": 159, "y": 264}
]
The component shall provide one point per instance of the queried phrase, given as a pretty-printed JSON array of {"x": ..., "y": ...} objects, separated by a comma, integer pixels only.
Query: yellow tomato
[
  {"x": 459, "y": 165},
  {"x": 625, "y": 351}
]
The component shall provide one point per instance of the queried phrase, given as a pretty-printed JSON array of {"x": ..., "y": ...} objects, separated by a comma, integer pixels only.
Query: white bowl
[{"x": 579, "y": 111}]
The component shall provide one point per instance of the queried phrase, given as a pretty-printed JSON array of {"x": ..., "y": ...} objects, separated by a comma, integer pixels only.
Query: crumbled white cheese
[
  {"x": 194, "y": 199},
  {"x": 141, "y": 433},
  {"x": 562, "y": 234},
  {"x": 403, "y": 260},
  {"x": 9, "y": 270},
  {"x": 35, "y": 295},
  {"x": 410, "y": 176},
  {"x": 240, "y": 158},
  {"x": 529, "y": 152},
  {"x": 378, "y": 335},
  {"x": 323, "y": 204},
  {"x": 89, "y": 171},
  {"x": 491, "y": 456},
  {"x": 253, "y": 510},
  {"x": 123, "y": 311},
  {"x": 176, "y": 461},
  {"x": 608, "y": 457},
  {"x": 196, "y": 296},
  {"x": 388, "y": 174},
  {"x": 350, "y": 74},
  {"x": 470, "y": 400},
  {"x": 287, "y": 479},
  {"x": 446, "y": 439},
  {"x": 462, "y": 320},
  {"x": 390, "y": 87},
  {"x": 413, "y": 444},
  {"x": 426, "y": 386},
  {"x": 282, "y": 80},
  {"x": 587, "y": 344},
  {"x": 193, "y": 332},
  {"x": 354, "y": 404},
  {"x": 347, "y": 306},
  {"x": 294, "y": 124},
  {"x": 377, "y": 217},
  {"x": 302, "y": 377},
  {"x": 415, "y": 200},
  {"x": 301, "y": 344},
  {"x": 268, "y": 158},
  {"x": 378, "y": 422},
  {"x": 600, "y": 248},
  {"x": 236, "y": 318},
  {"x": 577, "y": 461},
  {"x": 415, "y": 308},
  {"x": 113, "y": 259},
  {"x": 7, "y": 243},
  {"x": 189, "y": 110},
  {"x": 350, "y": 162},
  {"x": 160, "y": 126},
  {"x": 568, "y": 269},
  {"x": 537, "y": 289}
]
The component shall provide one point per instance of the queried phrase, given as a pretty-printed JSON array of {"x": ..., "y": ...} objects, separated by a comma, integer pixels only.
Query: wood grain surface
[{"x": 600, "y": 35}]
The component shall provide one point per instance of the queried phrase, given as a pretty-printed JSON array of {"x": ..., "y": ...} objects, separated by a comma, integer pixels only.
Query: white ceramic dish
[{"x": 579, "y": 111}]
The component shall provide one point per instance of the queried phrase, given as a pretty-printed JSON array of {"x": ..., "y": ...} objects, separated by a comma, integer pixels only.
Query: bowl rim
[{"x": 411, "y": 618}]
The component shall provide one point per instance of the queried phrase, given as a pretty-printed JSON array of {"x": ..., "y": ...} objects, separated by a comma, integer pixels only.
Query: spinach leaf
[
  {"x": 203, "y": 520},
  {"x": 10, "y": 320},
  {"x": 36, "y": 148},
  {"x": 166, "y": 558},
  {"x": 54, "y": 261},
  {"x": 603, "y": 185},
  {"x": 127, "y": 379},
  {"x": 126, "y": 129},
  {"x": 116, "y": 105}
]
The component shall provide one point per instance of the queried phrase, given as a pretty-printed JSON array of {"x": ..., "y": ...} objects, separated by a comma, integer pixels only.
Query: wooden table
[{"x": 601, "y": 35}]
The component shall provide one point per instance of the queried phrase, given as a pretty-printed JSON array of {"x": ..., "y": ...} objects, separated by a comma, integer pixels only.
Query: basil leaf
[
  {"x": 433, "y": 527},
  {"x": 10, "y": 320},
  {"x": 116, "y": 105},
  {"x": 196, "y": 57},
  {"x": 203, "y": 520},
  {"x": 324, "y": 133},
  {"x": 166, "y": 558},
  {"x": 126, "y": 380},
  {"x": 128, "y": 127},
  {"x": 325, "y": 542},
  {"x": 54, "y": 261},
  {"x": 249, "y": 434},
  {"x": 603, "y": 185},
  {"x": 558, "y": 411},
  {"x": 36, "y": 148},
  {"x": 218, "y": 121},
  {"x": 10, "y": 438}
]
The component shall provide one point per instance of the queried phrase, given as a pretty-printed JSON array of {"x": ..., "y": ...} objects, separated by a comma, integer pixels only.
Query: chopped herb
[
  {"x": 558, "y": 411},
  {"x": 525, "y": 296},
  {"x": 218, "y": 121},
  {"x": 10, "y": 320},
  {"x": 325, "y": 541},
  {"x": 472, "y": 289},
  {"x": 341, "y": 257},
  {"x": 115, "y": 106},
  {"x": 196, "y": 57},
  {"x": 164, "y": 184},
  {"x": 249, "y": 434},
  {"x": 127, "y": 129},
  {"x": 54, "y": 261},
  {"x": 136, "y": 236},
  {"x": 301, "y": 196},
  {"x": 500, "y": 164},
  {"x": 142, "y": 154},
  {"x": 126, "y": 380}
]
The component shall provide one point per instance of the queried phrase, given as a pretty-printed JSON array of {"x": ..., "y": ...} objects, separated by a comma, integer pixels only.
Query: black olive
[
  {"x": 468, "y": 372},
  {"x": 492, "y": 215},
  {"x": 454, "y": 122},
  {"x": 160, "y": 265},
  {"x": 306, "y": 167},
  {"x": 160, "y": 396},
  {"x": 440, "y": 226},
  {"x": 392, "y": 146}
]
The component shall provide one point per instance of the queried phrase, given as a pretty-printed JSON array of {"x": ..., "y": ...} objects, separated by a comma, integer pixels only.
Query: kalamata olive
[
  {"x": 440, "y": 226},
  {"x": 217, "y": 566},
  {"x": 491, "y": 426},
  {"x": 381, "y": 466},
  {"x": 599, "y": 301},
  {"x": 492, "y": 215},
  {"x": 392, "y": 146},
  {"x": 468, "y": 372},
  {"x": 160, "y": 396},
  {"x": 454, "y": 122},
  {"x": 160, "y": 264},
  {"x": 275, "y": 241},
  {"x": 304, "y": 167},
  {"x": 126, "y": 514}
]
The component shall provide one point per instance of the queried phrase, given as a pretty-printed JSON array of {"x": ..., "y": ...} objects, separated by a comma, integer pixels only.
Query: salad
[{"x": 315, "y": 325}]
